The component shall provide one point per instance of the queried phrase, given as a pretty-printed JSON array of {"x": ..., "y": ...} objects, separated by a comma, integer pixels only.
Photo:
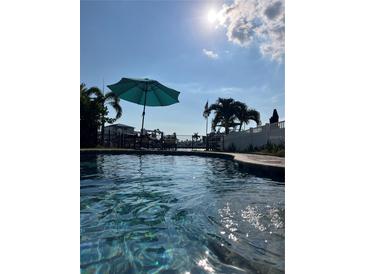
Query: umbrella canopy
[{"x": 145, "y": 92}]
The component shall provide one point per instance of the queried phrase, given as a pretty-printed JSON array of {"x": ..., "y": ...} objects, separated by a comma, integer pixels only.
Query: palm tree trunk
[{"x": 240, "y": 127}]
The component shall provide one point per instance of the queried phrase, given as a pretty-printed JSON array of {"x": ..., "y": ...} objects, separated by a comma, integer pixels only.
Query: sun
[
  {"x": 212, "y": 16},
  {"x": 215, "y": 17}
]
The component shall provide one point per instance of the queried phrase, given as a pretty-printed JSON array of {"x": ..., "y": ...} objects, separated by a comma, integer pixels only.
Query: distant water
[{"x": 178, "y": 214}]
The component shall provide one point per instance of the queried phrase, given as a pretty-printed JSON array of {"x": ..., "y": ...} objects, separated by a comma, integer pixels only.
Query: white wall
[{"x": 259, "y": 136}]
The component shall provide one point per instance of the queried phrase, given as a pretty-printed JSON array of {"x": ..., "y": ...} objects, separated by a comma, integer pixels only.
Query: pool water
[{"x": 178, "y": 214}]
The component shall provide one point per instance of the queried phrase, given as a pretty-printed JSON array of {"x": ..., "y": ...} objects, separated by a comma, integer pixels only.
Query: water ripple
[{"x": 178, "y": 214}]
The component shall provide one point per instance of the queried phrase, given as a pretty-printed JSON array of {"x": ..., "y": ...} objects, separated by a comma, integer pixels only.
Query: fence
[
  {"x": 255, "y": 137},
  {"x": 159, "y": 141},
  {"x": 236, "y": 140}
]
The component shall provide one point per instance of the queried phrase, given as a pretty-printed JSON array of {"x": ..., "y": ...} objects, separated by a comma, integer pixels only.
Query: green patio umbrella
[{"x": 145, "y": 92}]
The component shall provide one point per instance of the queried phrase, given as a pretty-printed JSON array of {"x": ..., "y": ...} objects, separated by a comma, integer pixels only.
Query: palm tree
[
  {"x": 245, "y": 114},
  {"x": 83, "y": 88},
  {"x": 195, "y": 136},
  {"x": 109, "y": 98},
  {"x": 90, "y": 112},
  {"x": 225, "y": 111}
]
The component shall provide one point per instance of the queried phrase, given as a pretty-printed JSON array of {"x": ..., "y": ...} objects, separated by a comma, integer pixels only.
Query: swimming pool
[{"x": 178, "y": 214}]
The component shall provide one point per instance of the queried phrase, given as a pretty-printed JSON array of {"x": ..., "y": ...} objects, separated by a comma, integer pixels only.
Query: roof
[{"x": 120, "y": 126}]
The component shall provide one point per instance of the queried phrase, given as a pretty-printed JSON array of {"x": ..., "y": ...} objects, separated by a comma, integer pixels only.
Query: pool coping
[{"x": 270, "y": 166}]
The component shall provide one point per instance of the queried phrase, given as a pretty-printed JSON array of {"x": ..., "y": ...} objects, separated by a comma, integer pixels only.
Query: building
[{"x": 115, "y": 135}]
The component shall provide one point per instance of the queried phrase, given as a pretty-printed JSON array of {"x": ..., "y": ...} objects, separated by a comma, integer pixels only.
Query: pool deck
[
  {"x": 256, "y": 159},
  {"x": 242, "y": 158}
]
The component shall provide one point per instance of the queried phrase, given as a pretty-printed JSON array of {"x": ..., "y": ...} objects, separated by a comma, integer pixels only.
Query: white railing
[
  {"x": 257, "y": 129},
  {"x": 281, "y": 124}
]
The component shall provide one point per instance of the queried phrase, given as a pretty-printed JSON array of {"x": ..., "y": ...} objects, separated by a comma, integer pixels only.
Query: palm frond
[
  {"x": 214, "y": 107},
  {"x": 96, "y": 92},
  {"x": 254, "y": 115},
  {"x": 117, "y": 108},
  {"x": 114, "y": 101},
  {"x": 83, "y": 88},
  {"x": 110, "y": 96}
]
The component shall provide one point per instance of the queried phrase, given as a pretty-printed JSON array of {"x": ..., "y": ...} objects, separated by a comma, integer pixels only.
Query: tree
[
  {"x": 224, "y": 113},
  {"x": 245, "y": 114},
  {"x": 275, "y": 117},
  {"x": 103, "y": 100},
  {"x": 89, "y": 118},
  {"x": 230, "y": 113},
  {"x": 195, "y": 136}
]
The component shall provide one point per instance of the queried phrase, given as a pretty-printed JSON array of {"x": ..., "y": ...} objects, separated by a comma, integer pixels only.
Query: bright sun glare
[{"x": 212, "y": 16}]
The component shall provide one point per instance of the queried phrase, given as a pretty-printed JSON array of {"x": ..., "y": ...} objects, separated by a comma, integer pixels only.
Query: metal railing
[{"x": 159, "y": 140}]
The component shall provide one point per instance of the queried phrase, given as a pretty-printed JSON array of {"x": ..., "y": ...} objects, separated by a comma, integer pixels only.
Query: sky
[{"x": 204, "y": 49}]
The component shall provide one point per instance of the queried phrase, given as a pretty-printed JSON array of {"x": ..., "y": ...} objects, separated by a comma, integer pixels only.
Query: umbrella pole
[
  {"x": 206, "y": 134},
  {"x": 144, "y": 108}
]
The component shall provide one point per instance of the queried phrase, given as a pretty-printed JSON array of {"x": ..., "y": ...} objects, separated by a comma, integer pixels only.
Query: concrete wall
[{"x": 259, "y": 136}]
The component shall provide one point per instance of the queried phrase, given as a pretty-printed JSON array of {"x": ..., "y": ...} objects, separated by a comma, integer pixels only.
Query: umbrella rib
[
  {"x": 158, "y": 98},
  {"x": 136, "y": 84},
  {"x": 169, "y": 90},
  {"x": 155, "y": 84}
]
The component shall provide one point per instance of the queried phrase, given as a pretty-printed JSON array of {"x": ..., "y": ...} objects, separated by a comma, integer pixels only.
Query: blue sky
[{"x": 181, "y": 46}]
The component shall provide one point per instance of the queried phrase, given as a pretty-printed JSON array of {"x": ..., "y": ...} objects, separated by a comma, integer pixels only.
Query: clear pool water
[{"x": 178, "y": 214}]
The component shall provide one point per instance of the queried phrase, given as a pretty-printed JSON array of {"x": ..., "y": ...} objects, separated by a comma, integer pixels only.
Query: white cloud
[
  {"x": 261, "y": 21},
  {"x": 210, "y": 54}
]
